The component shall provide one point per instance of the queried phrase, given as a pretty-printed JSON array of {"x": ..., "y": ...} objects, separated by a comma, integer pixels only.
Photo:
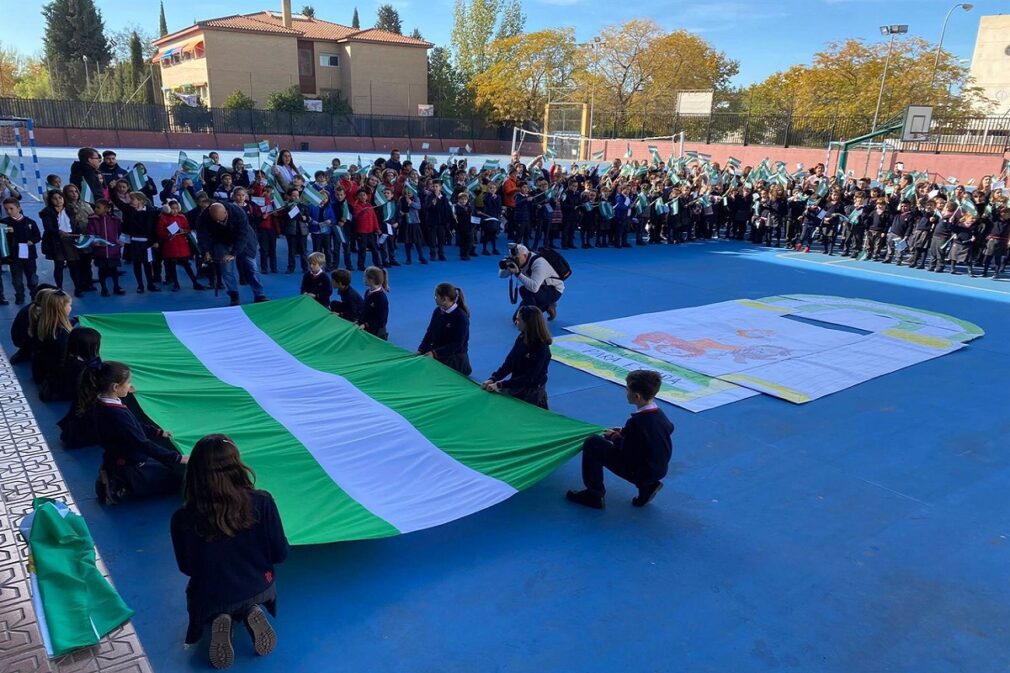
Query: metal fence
[
  {"x": 990, "y": 135},
  {"x": 985, "y": 135}
]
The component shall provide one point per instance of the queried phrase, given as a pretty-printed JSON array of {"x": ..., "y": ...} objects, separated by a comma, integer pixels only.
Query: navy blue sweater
[
  {"x": 125, "y": 440},
  {"x": 348, "y": 306},
  {"x": 647, "y": 440},
  {"x": 447, "y": 334},
  {"x": 374, "y": 312},
  {"x": 526, "y": 363},
  {"x": 318, "y": 285},
  {"x": 225, "y": 571}
]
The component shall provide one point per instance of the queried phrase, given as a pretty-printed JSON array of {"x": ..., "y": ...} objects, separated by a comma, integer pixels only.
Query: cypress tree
[
  {"x": 162, "y": 23},
  {"x": 355, "y": 22},
  {"x": 74, "y": 30}
]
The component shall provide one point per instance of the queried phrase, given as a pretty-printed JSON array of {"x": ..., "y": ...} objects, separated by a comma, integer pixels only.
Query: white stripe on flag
[{"x": 374, "y": 454}]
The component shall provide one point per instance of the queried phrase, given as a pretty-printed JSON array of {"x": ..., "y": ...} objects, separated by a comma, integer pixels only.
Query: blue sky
[{"x": 764, "y": 37}]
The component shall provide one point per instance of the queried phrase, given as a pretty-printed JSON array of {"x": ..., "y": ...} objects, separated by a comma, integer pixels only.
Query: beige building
[
  {"x": 378, "y": 72},
  {"x": 990, "y": 64}
]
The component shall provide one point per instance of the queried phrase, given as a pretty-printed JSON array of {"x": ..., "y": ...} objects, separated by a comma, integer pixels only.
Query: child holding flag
[
  {"x": 410, "y": 218},
  {"x": 106, "y": 229},
  {"x": 19, "y": 239},
  {"x": 174, "y": 236}
]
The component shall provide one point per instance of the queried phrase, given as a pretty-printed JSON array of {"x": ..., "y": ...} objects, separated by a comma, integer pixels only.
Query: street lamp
[
  {"x": 596, "y": 44},
  {"x": 966, "y": 6},
  {"x": 892, "y": 31}
]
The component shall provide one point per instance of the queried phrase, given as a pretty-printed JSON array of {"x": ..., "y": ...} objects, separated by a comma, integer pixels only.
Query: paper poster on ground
[{"x": 682, "y": 387}]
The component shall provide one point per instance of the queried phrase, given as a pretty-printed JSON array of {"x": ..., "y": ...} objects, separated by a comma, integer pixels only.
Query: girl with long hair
[
  {"x": 83, "y": 346},
  {"x": 375, "y": 307},
  {"x": 524, "y": 373},
  {"x": 50, "y": 332},
  {"x": 137, "y": 460},
  {"x": 58, "y": 241},
  {"x": 227, "y": 538},
  {"x": 447, "y": 338}
]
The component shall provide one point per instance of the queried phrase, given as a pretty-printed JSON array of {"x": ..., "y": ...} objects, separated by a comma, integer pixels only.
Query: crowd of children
[{"x": 391, "y": 210}]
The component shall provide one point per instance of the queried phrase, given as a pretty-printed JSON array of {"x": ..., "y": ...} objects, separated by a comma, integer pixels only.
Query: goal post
[
  {"x": 15, "y": 132},
  {"x": 566, "y": 129},
  {"x": 554, "y": 146}
]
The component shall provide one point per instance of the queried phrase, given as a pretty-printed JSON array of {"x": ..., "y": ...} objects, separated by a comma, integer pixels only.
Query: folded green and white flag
[
  {"x": 354, "y": 437},
  {"x": 312, "y": 195},
  {"x": 598, "y": 155},
  {"x": 186, "y": 201},
  {"x": 74, "y": 604},
  {"x": 186, "y": 164},
  {"x": 87, "y": 195}
]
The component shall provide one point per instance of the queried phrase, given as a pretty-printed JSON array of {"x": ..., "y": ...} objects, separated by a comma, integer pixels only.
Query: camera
[{"x": 511, "y": 259}]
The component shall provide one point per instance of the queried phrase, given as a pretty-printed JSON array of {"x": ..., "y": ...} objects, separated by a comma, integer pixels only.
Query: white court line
[{"x": 898, "y": 275}]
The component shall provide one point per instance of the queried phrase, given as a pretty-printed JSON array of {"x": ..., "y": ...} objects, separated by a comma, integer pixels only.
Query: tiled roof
[
  {"x": 376, "y": 35},
  {"x": 310, "y": 29}
]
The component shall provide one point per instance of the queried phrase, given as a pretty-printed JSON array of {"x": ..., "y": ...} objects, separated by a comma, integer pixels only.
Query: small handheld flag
[
  {"x": 137, "y": 178},
  {"x": 87, "y": 195},
  {"x": 187, "y": 201}
]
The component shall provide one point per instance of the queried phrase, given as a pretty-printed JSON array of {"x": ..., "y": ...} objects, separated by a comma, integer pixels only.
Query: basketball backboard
[{"x": 917, "y": 121}]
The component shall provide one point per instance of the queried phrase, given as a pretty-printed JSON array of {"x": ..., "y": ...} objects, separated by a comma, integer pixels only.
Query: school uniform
[
  {"x": 619, "y": 233},
  {"x": 141, "y": 227},
  {"x": 640, "y": 454},
  {"x": 939, "y": 242},
  {"x": 23, "y": 271},
  {"x": 108, "y": 228},
  {"x": 135, "y": 464},
  {"x": 464, "y": 229},
  {"x": 58, "y": 246},
  {"x": 343, "y": 224},
  {"x": 296, "y": 232},
  {"x": 522, "y": 217},
  {"x": 176, "y": 249},
  {"x": 321, "y": 231},
  {"x": 390, "y": 229},
  {"x": 996, "y": 244},
  {"x": 876, "y": 233},
  {"x": 960, "y": 249},
  {"x": 62, "y": 381},
  {"x": 318, "y": 285},
  {"x": 569, "y": 217},
  {"x": 366, "y": 230},
  {"x": 448, "y": 338},
  {"x": 524, "y": 373},
  {"x": 901, "y": 227},
  {"x": 438, "y": 215},
  {"x": 588, "y": 221},
  {"x": 349, "y": 305},
  {"x": 490, "y": 212},
  {"x": 229, "y": 575},
  {"x": 48, "y": 354},
  {"x": 375, "y": 313}
]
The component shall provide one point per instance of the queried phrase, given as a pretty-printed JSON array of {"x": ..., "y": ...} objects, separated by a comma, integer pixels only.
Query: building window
[{"x": 329, "y": 60}]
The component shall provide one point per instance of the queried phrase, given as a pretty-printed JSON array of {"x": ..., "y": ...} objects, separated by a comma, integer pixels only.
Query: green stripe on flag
[
  {"x": 9, "y": 168},
  {"x": 137, "y": 178},
  {"x": 87, "y": 195},
  {"x": 186, "y": 201}
]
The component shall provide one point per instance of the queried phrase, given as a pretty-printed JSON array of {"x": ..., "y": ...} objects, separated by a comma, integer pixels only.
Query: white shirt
[
  {"x": 111, "y": 400},
  {"x": 64, "y": 222}
]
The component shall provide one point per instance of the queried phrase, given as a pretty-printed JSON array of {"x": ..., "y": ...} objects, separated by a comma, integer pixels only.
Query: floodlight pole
[
  {"x": 883, "y": 79},
  {"x": 596, "y": 44},
  {"x": 939, "y": 45}
]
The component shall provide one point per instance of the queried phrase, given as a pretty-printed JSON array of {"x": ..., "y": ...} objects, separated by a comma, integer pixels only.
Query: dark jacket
[
  {"x": 646, "y": 440},
  {"x": 448, "y": 334},
  {"x": 225, "y": 571},
  {"x": 349, "y": 305},
  {"x": 375, "y": 313},
  {"x": 233, "y": 236},
  {"x": 25, "y": 231},
  {"x": 126, "y": 441},
  {"x": 81, "y": 172},
  {"x": 527, "y": 365},
  {"x": 318, "y": 285}
]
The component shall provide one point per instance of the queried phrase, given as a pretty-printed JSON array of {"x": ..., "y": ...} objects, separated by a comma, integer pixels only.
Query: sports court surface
[{"x": 865, "y": 531}]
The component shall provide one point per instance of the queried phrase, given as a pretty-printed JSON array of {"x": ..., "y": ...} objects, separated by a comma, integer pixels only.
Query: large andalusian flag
[{"x": 354, "y": 437}]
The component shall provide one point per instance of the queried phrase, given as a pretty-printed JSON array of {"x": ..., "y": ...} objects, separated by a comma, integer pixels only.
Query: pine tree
[
  {"x": 416, "y": 34},
  {"x": 388, "y": 19},
  {"x": 162, "y": 23},
  {"x": 74, "y": 30},
  {"x": 138, "y": 66},
  {"x": 355, "y": 22},
  {"x": 308, "y": 11}
]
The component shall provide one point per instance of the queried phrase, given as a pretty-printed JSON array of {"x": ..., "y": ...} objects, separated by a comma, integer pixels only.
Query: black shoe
[
  {"x": 140, "y": 290},
  {"x": 105, "y": 292},
  {"x": 4, "y": 302},
  {"x": 176, "y": 288},
  {"x": 109, "y": 492},
  {"x": 494, "y": 251},
  {"x": 118, "y": 290},
  {"x": 260, "y": 299},
  {"x": 153, "y": 288},
  {"x": 78, "y": 293},
  {"x": 290, "y": 271},
  {"x": 19, "y": 300},
  {"x": 441, "y": 258},
  {"x": 361, "y": 267},
  {"x": 199, "y": 286},
  {"x": 262, "y": 633},
  {"x": 423, "y": 260},
  {"x": 221, "y": 652},
  {"x": 393, "y": 262},
  {"x": 585, "y": 498},
  {"x": 485, "y": 252},
  {"x": 552, "y": 311},
  {"x": 646, "y": 494},
  {"x": 233, "y": 299}
]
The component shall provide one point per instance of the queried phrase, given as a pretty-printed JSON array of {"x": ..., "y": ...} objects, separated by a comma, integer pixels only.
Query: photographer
[
  {"x": 539, "y": 284},
  {"x": 226, "y": 238}
]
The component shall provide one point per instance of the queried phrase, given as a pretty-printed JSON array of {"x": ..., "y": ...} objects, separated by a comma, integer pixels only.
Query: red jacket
[
  {"x": 365, "y": 221},
  {"x": 174, "y": 246}
]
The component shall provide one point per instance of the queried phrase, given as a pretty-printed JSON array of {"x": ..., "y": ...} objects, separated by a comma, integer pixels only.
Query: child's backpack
[{"x": 559, "y": 263}]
